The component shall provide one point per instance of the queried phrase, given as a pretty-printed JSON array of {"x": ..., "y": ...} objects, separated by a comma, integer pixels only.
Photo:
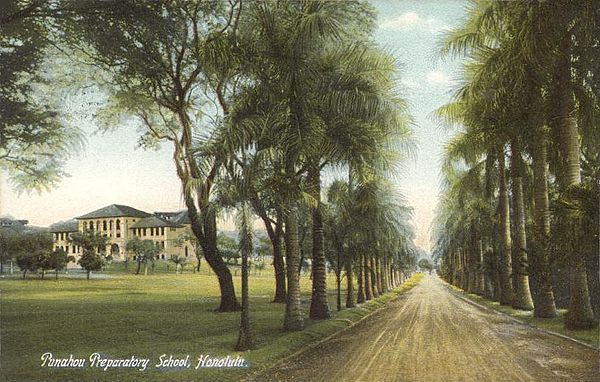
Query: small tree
[
  {"x": 228, "y": 248},
  {"x": 179, "y": 262},
  {"x": 59, "y": 260},
  {"x": 44, "y": 262},
  {"x": 145, "y": 251},
  {"x": 188, "y": 237},
  {"x": 93, "y": 247},
  {"x": 27, "y": 262}
]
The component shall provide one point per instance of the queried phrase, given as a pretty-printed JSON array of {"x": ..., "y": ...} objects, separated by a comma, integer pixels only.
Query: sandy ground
[{"x": 431, "y": 335}]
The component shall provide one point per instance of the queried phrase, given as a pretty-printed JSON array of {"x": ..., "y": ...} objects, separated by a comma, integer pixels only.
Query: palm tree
[{"x": 539, "y": 40}]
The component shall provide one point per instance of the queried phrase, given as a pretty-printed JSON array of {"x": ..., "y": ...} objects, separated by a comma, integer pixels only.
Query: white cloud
[
  {"x": 437, "y": 77},
  {"x": 409, "y": 20},
  {"x": 404, "y": 21},
  {"x": 408, "y": 83},
  {"x": 435, "y": 26}
]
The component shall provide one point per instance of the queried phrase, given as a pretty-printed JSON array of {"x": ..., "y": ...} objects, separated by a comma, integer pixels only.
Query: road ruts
[{"x": 429, "y": 334}]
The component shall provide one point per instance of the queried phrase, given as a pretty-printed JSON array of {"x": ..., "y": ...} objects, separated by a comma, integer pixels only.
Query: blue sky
[{"x": 112, "y": 170}]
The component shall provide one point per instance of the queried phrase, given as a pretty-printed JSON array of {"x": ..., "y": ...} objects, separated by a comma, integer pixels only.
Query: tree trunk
[
  {"x": 275, "y": 233},
  {"x": 24, "y": 273},
  {"x": 580, "y": 314},
  {"x": 521, "y": 292},
  {"x": 338, "y": 283},
  {"x": 146, "y": 268},
  {"x": 139, "y": 266},
  {"x": 319, "y": 306},
  {"x": 367, "y": 276},
  {"x": 88, "y": 274},
  {"x": 43, "y": 273},
  {"x": 278, "y": 264},
  {"x": 245, "y": 338},
  {"x": 373, "y": 272},
  {"x": 479, "y": 271},
  {"x": 56, "y": 274},
  {"x": 229, "y": 302},
  {"x": 360, "y": 297},
  {"x": 544, "y": 303},
  {"x": 349, "y": 284},
  {"x": 293, "y": 319},
  {"x": 505, "y": 266}
]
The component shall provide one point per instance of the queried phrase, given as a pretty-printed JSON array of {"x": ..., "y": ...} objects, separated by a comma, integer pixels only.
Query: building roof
[
  {"x": 178, "y": 217},
  {"x": 182, "y": 217},
  {"x": 8, "y": 222},
  {"x": 153, "y": 221},
  {"x": 65, "y": 226},
  {"x": 115, "y": 210}
]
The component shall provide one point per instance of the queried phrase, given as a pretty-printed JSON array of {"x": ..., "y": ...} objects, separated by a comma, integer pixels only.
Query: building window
[
  {"x": 162, "y": 231},
  {"x": 144, "y": 231},
  {"x": 134, "y": 257},
  {"x": 104, "y": 225},
  {"x": 67, "y": 249},
  {"x": 118, "y": 224},
  {"x": 162, "y": 244},
  {"x": 186, "y": 251},
  {"x": 110, "y": 225},
  {"x": 92, "y": 226},
  {"x": 162, "y": 257}
]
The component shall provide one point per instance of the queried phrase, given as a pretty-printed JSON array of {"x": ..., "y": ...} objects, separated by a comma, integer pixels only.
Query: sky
[{"x": 111, "y": 169}]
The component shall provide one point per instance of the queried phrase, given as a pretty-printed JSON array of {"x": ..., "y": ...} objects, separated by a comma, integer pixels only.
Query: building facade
[{"x": 170, "y": 231}]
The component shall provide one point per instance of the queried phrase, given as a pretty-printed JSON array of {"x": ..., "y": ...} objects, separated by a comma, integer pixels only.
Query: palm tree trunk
[
  {"x": 349, "y": 284},
  {"x": 521, "y": 292},
  {"x": 580, "y": 314},
  {"x": 544, "y": 303},
  {"x": 373, "y": 272},
  {"x": 505, "y": 263},
  {"x": 360, "y": 297},
  {"x": 367, "y": 276},
  {"x": 293, "y": 319},
  {"x": 319, "y": 306},
  {"x": 245, "y": 338},
  {"x": 278, "y": 263},
  {"x": 480, "y": 275}
]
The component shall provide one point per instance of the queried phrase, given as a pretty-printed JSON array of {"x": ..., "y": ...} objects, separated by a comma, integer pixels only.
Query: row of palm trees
[
  {"x": 259, "y": 99},
  {"x": 529, "y": 97}
]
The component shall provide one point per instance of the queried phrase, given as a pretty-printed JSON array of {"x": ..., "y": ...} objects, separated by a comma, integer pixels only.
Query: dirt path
[{"x": 431, "y": 335}]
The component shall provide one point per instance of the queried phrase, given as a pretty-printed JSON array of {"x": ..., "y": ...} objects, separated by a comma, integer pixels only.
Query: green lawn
[
  {"x": 146, "y": 316},
  {"x": 590, "y": 336}
]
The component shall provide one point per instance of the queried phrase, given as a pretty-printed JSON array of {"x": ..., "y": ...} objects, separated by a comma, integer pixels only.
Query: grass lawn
[
  {"x": 556, "y": 324},
  {"x": 147, "y": 316}
]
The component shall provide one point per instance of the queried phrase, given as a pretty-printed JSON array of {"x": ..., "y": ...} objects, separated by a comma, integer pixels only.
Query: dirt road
[{"x": 431, "y": 335}]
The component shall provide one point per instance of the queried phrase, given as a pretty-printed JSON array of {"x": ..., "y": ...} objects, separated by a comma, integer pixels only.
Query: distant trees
[
  {"x": 425, "y": 264},
  {"x": 29, "y": 249}
]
